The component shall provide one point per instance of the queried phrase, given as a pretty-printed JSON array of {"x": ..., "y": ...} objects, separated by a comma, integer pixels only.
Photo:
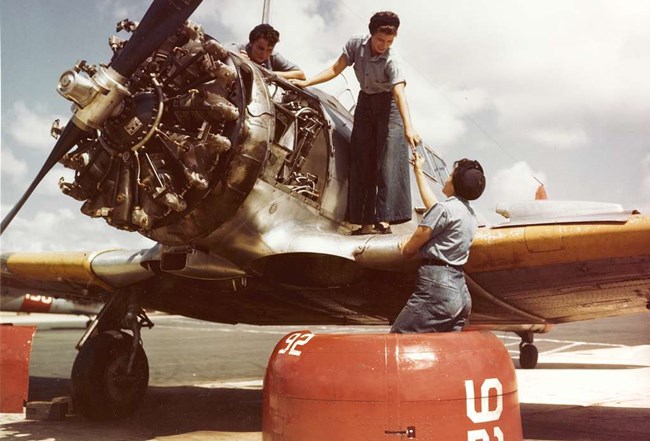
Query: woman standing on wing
[{"x": 379, "y": 186}]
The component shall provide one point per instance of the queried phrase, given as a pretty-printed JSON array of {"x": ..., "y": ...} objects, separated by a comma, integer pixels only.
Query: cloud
[
  {"x": 548, "y": 85},
  {"x": 61, "y": 229},
  {"x": 515, "y": 183},
  {"x": 559, "y": 138},
  {"x": 121, "y": 9},
  {"x": 31, "y": 128},
  {"x": 12, "y": 167},
  {"x": 50, "y": 184}
]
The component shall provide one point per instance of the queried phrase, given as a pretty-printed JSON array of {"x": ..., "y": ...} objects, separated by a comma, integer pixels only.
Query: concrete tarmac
[{"x": 592, "y": 381}]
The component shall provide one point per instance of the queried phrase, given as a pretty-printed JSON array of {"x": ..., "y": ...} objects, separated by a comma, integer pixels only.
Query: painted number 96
[{"x": 486, "y": 414}]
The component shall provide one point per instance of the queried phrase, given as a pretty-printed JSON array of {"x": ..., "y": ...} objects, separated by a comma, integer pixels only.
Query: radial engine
[{"x": 187, "y": 137}]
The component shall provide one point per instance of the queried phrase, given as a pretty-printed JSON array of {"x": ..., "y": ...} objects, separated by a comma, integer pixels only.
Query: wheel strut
[{"x": 134, "y": 319}]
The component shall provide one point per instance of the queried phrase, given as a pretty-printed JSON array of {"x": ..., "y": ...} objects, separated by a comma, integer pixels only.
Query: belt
[{"x": 437, "y": 262}]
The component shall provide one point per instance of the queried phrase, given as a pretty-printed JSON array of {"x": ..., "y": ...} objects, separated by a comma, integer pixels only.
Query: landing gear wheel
[
  {"x": 101, "y": 388},
  {"x": 527, "y": 355}
]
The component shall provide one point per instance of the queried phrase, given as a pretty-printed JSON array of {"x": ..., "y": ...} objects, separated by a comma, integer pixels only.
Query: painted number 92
[{"x": 295, "y": 340}]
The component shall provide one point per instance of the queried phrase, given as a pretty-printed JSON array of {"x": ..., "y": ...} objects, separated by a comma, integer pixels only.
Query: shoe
[
  {"x": 383, "y": 230},
  {"x": 360, "y": 232}
]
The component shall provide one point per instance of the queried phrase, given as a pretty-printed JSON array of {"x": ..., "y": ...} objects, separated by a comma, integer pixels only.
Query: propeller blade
[
  {"x": 71, "y": 134},
  {"x": 161, "y": 19}
]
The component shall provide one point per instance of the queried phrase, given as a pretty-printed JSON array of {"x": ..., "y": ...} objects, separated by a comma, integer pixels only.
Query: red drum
[
  {"x": 446, "y": 386},
  {"x": 15, "y": 352}
]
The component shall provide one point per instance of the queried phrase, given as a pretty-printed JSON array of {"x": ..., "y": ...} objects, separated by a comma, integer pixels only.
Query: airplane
[
  {"x": 241, "y": 178},
  {"x": 28, "y": 303}
]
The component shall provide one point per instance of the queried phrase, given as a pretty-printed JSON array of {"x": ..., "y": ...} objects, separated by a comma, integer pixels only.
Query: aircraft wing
[
  {"x": 521, "y": 275},
  {"x": 563, "y": 272},
  {"x": 74, "y": 275}
]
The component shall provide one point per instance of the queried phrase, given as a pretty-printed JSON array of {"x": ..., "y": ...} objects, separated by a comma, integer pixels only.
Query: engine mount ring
[{"x": 154, "y": 126}]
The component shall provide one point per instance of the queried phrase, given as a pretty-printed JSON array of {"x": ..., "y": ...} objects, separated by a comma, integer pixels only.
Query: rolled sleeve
[
  {"x": 350, "y": 50},
  {"x": 394, "y": 72},
  {"x": 437, "y": 218},
  {"x": 281, "y": 64}
]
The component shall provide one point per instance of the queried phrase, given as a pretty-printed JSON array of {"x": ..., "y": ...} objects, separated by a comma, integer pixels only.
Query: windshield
[{"x": 434, "y": 167}]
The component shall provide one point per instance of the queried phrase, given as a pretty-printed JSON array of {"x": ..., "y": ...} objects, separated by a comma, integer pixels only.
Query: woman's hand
[
  {"x": 412, "y": 137},
  {"x": 418, "y": 161},
  {"x": 299, "y": 83}
]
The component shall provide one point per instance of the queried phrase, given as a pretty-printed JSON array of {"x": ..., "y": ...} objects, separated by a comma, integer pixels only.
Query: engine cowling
[{"x": 183, "y": 147}]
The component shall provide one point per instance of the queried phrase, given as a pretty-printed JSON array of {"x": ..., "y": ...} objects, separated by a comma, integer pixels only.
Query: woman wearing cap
[
  {"x": 441, "y": 300},
  {"x": 379, "y": 188}
]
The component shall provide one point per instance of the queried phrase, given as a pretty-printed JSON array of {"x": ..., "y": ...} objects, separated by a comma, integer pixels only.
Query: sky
[{"x": 553, "y": 91}]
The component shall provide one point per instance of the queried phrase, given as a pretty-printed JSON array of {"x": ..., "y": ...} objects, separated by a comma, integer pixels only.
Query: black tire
[
  {"x": 100, "y": 388},
  {"x": 528, "y": 356}
]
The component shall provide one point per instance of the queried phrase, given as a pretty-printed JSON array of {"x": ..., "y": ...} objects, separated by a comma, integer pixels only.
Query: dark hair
[
  {"x": 265, "y": 31},
  {"x": 468, "y": 179},
  {"x": 384, "y": 21}
]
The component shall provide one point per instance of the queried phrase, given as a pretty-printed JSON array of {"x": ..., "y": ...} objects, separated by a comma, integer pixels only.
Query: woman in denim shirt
[
  {"x": 379, "y": 187},
  {"x": 441, "y": 300}
]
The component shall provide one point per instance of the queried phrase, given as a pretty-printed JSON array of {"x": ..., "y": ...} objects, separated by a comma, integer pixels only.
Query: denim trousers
[
  {"x": 379, "y": 186},
  {"x": 440, "y": 302}
]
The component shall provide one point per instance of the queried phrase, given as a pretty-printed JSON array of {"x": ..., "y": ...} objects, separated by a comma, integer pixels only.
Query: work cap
[{"x": 468, "y": 179}]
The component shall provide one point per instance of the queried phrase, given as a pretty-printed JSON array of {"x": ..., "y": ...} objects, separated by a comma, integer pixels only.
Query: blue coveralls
[{"x": 441, "y": 300}]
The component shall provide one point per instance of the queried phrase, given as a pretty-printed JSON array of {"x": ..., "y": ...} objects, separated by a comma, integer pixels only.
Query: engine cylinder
[{"x": 178, "y": 155}]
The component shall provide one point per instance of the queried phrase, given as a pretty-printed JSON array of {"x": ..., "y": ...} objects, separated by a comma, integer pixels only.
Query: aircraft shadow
[
  {"x": 169, "y": 411},
  {"x": 166, "y": 411},
  {"x": 578, "y": 423},
  {"x": 180, "y": 408},
  {"x": 585, "y": 366},
  {"x": 67, "y": 328},
  {"x": 174, "y": 410}
]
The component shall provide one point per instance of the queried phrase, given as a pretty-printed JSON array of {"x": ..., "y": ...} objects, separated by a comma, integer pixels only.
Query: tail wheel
[
  {"x": 101, "y": 387},
  {"x": 528, "y": 355}
]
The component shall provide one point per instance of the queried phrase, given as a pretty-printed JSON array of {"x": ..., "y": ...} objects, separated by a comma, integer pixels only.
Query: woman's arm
[
  {"x": 419, "y": 237},
  {"x": 331, "y": 72},
  {"x": 426, "y": 193},
  {"x": 412, "y": 136},
  {"x": 298, "y": 74}
]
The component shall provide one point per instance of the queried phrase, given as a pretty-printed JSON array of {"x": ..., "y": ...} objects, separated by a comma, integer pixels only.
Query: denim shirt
[
  {"x": 376, "y": 74},
  {"x": 453, "y": 224}
]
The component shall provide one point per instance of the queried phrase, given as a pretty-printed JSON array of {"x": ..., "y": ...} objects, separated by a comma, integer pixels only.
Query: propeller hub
[
  {"x": 134, "y": 122},
  {"x": 77, "y": 88}
]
